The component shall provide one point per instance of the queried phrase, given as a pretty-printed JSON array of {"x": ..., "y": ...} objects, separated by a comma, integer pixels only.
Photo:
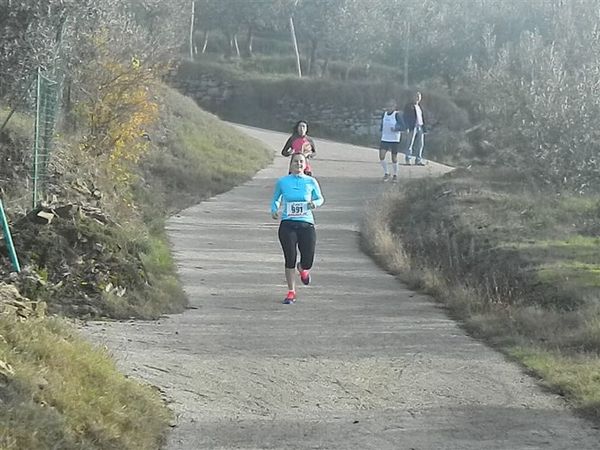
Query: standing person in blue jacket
[
  {"x": 297, "y": 195},
  {"x": 391, "y": 131},
  {"x": 415, "y": 122}
]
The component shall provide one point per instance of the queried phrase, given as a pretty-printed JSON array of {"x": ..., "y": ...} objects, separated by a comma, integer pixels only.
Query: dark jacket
[{"x": 410, "y": 116}]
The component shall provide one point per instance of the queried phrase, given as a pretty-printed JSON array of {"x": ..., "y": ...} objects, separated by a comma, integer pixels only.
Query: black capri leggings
[{"x": 301, "y": 235}]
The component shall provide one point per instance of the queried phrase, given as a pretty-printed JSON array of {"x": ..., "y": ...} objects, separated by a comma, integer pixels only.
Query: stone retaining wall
[{"x": 217, "y": 95}]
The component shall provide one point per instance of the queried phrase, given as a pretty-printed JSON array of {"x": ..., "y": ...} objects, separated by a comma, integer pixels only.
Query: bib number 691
[{"x": 295, "y": 209}]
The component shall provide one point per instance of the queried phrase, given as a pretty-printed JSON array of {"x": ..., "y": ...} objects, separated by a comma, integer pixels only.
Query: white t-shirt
[{"x": 419, "y": 113}]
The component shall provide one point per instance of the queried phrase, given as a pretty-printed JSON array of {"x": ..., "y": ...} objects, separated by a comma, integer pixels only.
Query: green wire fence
[
  {"x": 46, "y": 112},
  {"x": 45, "y": 122}
]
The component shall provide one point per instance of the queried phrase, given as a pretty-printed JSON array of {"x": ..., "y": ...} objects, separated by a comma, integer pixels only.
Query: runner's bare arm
[{"x": 287, "y": 148}]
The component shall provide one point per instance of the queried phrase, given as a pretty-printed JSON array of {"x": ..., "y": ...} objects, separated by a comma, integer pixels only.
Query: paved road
[{"x": 359, "y": 362}]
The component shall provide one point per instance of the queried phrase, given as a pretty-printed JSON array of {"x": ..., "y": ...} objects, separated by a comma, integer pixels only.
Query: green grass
[
  {"x": 576, "y": 377},
  {"x": 520, "y": 267},
  {"x": 205, "y": 157},
  {"x": 62, "y": 393},
  {"x": 575, "y": 273}
]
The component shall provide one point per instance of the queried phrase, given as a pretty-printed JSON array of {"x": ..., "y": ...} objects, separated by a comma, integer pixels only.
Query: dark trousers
[{"x": 293, "y": 236}]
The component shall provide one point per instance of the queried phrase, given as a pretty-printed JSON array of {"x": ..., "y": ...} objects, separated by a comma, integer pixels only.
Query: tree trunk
[
  {"x": 10, "y": 114},
  {"x": 313, "y": 54},
  {"x": 205, "y": 44},
  {"x": 406, "y": 54},
  {"x": 250, "y": 41},
  {"x": 449, "y": 82},
  {"x": 192, "y": 30},
  {"x": 14, "y": 108},
  {"x": 324, "y": 68},
  {"x": 236, "y": 45},
  {"x": 229, "y": 45},
  {"x": 347, "y": 72},
  {"x": 295, "y": 42},
  {"x": 68, "y": 104}
]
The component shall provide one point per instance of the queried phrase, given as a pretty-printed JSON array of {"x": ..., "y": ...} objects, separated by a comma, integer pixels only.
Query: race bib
[{"x": 297, "y": 209}]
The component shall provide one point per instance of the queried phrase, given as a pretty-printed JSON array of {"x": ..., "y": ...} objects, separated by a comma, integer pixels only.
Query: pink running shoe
[
  {"x": 304, "y": 275},
  {"x": 290, "y": 298}
]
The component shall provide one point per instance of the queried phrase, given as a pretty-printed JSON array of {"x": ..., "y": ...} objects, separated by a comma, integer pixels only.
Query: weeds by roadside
[{"x": 518, "y": 266}]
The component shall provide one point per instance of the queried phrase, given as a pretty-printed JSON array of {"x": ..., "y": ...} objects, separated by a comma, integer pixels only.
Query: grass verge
[
  {"x": 57, "y": 391},
  {"x": 517, "y": 265},
  {"x": 193, "y": 157}
]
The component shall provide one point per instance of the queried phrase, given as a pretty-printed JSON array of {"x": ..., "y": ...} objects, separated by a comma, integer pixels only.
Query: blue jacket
[{"x": 293, "y": 193}]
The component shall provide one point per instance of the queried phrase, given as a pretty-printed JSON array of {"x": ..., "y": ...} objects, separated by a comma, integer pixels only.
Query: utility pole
[
  {"x": 406, "y": 53},
  {"x": 192, "y": 31},
  {"x": 295, "y": 41}
]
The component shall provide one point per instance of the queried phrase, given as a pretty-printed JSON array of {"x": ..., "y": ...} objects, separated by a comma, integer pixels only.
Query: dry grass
[
  {"x": 382, "y": 244},
  {"x": 518, "y": 266}
]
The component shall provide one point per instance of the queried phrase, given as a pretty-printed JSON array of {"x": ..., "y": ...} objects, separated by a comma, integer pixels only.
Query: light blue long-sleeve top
[{"x": 293, "y": 193}]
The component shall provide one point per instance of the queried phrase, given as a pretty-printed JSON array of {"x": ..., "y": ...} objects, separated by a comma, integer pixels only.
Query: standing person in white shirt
[
  {"x": 391, "y": 131},
  {"x": 414, "y": 119}
]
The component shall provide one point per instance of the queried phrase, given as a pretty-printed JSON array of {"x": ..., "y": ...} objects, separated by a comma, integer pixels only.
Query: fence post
[
  {"x": 7, "y": 237},
  {"x": 36, "y": 138}
]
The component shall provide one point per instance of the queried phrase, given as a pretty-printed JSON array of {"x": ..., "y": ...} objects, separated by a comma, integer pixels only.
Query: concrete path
[{"x": 359, "y": 362}]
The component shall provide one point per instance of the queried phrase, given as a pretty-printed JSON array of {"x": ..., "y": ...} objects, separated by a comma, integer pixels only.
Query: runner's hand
[
  {"x": 311, "y": 205},
  {"x": 275, "y": 215}
]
